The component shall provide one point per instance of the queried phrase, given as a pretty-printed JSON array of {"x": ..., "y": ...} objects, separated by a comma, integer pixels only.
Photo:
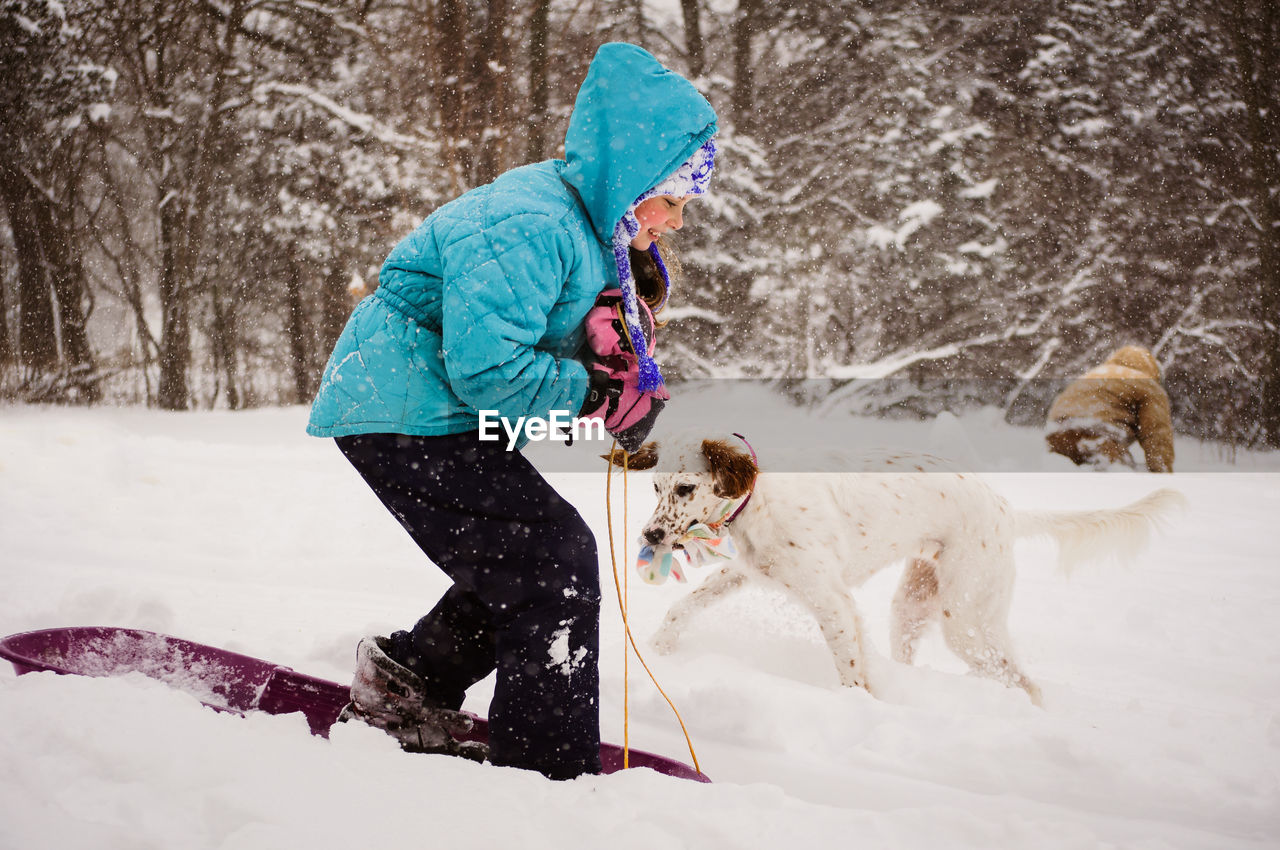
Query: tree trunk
[
  {"x": 450, "y": 52},
  {"x": 1261, "y": 107},
  {"x": 128, "y": 267},
  {"x": 175, "y": 330},
  {"x": 693, "y": 37},
  {"x": 335, "y": 306},
  {"x": 6, "y": 347},
  {"x": 742, "y": 101},
  {"x": 637, "y": 21},
  {"x": 538, "y": 86},
  {"x": 184, "y": 220},
  {"x": 69, "y": 288},
  {"x": 490, "y": 68},
  {"x": 8, "y": 356},
  {"x": 37, "y": 349},
  {"x": 298, "y": 333},
  {"x": 224, "y": 346}
]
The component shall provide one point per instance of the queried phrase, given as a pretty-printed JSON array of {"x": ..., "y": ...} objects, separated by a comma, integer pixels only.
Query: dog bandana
[{"x": 700, "y": 544}]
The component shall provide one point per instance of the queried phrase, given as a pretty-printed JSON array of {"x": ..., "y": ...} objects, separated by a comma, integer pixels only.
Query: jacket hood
[
  {"x": 1138, "y": 359},
  {"x": 633, "y": 124}
]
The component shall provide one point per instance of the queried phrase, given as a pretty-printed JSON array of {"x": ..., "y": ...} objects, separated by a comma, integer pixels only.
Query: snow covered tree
[
  {"x": 177, "y": 65},
  {"x": 50, "y": 95},
  {"x": 1138, "y": 117},
  {"x": 189, "y": 71},
  {"x": 979, "y": 201},
  {"x": 923, "y": 204},
  {"x": 1254, "y": 31},
  {"x": 328, "y": 191}
]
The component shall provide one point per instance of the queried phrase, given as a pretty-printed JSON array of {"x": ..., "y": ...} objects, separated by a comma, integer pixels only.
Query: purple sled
[{"x": 228, "y": 681}]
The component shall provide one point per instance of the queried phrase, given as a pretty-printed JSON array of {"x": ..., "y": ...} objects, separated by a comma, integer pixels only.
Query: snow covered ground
[{"x": 1161, "y": 725}]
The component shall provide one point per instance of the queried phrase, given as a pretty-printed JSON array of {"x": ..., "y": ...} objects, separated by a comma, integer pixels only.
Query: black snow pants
[{"x": 525, "y": 596}]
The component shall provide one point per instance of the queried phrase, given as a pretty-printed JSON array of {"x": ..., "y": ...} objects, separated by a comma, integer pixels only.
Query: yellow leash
[{"x": 622, "y": 587}]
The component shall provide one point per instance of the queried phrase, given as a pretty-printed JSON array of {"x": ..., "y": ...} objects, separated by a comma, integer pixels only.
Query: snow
[
  {"x": 1161, "y": 725},
  {"x": 362, "y": 122},
  {"x": 985, "y": 189},
  {"x": 914, "y": 216},
  {"x": 984, "y": 251},
  {"x": 1087, "y": 127}
]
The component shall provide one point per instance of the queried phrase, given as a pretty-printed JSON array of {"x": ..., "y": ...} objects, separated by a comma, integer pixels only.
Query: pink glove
[{"x": 614, "y": 393}]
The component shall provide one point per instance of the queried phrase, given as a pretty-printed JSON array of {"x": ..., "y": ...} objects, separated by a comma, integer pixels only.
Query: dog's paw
[
  {"x": 854, "y": 676},
  {"x": 664, "y": 642}
]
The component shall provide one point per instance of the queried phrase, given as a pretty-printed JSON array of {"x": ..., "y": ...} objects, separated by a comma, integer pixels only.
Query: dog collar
[{"x": 747, "y": 498}]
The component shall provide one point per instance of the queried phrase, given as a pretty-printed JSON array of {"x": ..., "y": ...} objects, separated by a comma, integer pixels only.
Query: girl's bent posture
[{"x": 484, "y": 307}]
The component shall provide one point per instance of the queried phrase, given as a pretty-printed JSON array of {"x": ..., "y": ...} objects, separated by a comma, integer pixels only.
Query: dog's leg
[
  {"x": 841, "y": 626},
  {"x": 915, "y": 603},
  {"x": 975, "y": 592},
  {"x": 714, "y": 587},
  {"x": 982, "y": 641}
]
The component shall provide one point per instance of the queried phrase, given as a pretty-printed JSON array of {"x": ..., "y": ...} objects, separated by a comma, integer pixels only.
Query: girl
[{"x": 482, "y": 308}]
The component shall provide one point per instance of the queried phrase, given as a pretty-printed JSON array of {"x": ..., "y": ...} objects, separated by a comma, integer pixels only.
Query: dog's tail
[{"x": 1086, "y": 535}]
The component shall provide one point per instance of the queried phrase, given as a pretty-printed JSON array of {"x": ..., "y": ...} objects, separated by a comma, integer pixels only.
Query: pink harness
[{"x": 754, "y": 460}]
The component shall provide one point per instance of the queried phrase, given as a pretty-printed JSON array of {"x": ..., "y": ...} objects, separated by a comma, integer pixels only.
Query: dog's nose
[{"x": 653, "y": 536}]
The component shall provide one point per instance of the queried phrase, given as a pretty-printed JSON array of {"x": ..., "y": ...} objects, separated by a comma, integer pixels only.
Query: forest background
[{"x": 920, "y": 206}]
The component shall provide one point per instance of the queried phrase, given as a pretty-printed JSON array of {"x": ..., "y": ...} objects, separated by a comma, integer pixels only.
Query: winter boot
[{"x": 390, "y": 696}]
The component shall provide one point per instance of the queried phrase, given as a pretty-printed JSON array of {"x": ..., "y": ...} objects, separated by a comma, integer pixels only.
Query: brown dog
[{"x": 1100, "y": 414}]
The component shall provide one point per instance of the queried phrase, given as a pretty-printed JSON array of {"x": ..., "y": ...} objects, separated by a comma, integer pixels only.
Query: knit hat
[{"x": 691, "y": 178}]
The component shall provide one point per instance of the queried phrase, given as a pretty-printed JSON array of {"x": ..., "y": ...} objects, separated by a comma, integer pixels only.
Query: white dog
[{"x": 819, "y": 534}]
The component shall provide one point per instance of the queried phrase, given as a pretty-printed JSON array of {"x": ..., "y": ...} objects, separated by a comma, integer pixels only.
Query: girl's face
[{"x": 657, "y": 215}]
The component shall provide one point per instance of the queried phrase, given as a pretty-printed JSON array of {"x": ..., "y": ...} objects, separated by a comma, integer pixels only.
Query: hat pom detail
[{"x": 650, "y": 376}]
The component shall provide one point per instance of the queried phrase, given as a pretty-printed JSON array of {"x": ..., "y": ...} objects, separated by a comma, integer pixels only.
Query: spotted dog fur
[{"x": 816, "y": 535}]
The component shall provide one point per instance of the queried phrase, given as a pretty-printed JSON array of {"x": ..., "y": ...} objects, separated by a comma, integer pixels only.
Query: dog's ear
[
  {"x": 645, "y": 457},
  {"x": 732, "y": 472}
]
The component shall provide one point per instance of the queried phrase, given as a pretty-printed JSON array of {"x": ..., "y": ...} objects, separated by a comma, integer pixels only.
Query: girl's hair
[{"x": 649, "y": 283}]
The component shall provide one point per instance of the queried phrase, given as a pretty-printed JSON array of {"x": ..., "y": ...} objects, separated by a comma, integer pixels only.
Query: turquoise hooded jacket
[{"x": 481, "y": 308}]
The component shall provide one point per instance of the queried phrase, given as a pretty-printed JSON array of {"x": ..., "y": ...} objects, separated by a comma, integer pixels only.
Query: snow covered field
[{"x": 1161, "y": 725}]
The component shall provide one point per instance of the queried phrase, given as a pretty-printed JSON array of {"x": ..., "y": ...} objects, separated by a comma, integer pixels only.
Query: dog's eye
[{"x": 684, "y": 490}]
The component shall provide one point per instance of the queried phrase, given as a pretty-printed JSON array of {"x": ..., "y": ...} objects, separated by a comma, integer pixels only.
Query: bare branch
[{"x": 360, "y": 121}]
